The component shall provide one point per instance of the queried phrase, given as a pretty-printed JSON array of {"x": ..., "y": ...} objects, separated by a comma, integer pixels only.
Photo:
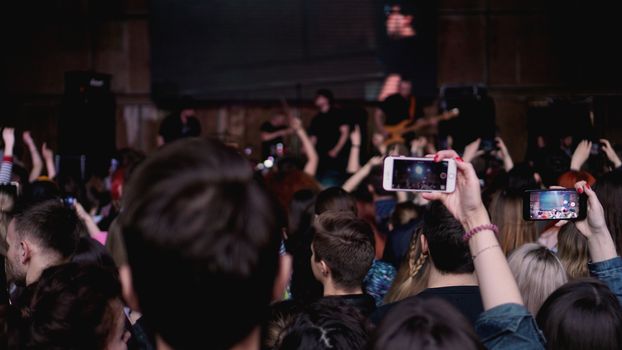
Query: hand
[
  {"x": 580, "y": 155},
  {"x": 82, "y": 214},
  {"x": 417, "y": 145},
  {"x": 295, "y": 124},
  {"x": 472, "y": 151},
  {"x": 503, "y": 149},
  {"x": 46, "y": 152},
  {"x": 611, "y": 153},
  {"x": 27, "y": 138},
  {"x": 465, "y": 203},
  {"x": 332, "y": 153},
  {"x": 8, "y": 136},
  {"x": 595, "y": 223},
  {"x": 355, "y": 136},
  {"x": 375, "y": 161}
]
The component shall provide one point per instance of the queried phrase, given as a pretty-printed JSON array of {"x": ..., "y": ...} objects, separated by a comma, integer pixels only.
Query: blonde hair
[
  {"x": 413, "y": 275},
  {"x": 506, "y": 212},
  {"x": 572, "y": 251},
  {"x": 538, "y": 273}
]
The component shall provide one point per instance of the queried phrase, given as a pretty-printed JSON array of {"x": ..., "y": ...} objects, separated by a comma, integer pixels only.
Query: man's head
[
  {"x": 324, "y": 99},
  {"x": 45, "y": 235},
  {"x": 342, "y": 250},
  {"x": 442, "y": 236},
  {"x": 201, "y": 241},
  {"x": 405, "y": 88}
]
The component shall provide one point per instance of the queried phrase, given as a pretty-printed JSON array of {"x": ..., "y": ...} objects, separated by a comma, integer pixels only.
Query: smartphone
[
  {"x": 554, "y": 205},
  {"x": 419, "y": 175},
  {"x": 69, "y": 201},
  {"x": 597, "y": 147}
]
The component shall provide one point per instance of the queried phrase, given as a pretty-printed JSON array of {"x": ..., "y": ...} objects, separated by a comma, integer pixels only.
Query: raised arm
[
  {"x": 37, "y": 163},
  {"x": 358, "y": 177},
  {"x": 580, "y": 155},
  {"x": 611, "y": 153},
  {"x": 307, "y": 145},
  {"x": 496, "y": 282},
  {"x": 267, "y": 136},
  {"x": 354, "y": 160},
  {"x": 8, "y": 136},
  {"x": 504, "y": 154},
  {"x": 48, "y": 156}
]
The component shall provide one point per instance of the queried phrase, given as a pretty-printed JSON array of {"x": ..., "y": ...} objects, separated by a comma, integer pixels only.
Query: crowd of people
[{"x": 198, "y": 246}]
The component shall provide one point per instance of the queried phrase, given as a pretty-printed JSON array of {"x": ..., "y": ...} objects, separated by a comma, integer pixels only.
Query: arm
[
  {"x": 354, "y": 160},
  {"x": 472, "y": 151},
  {"x": 343, "y": 138},
  {"x": 360, "y": 175},
  {"x": 611, "y": 153},
  {"x": 37, "y": 164},
  {"x": 8, "y": 136},
  {"x": 580, "y": 155},
  {"x": 91, "y": 226},
  {"x": 379, "y": 122},
  {"x": 267, "y": 136},
  {"x": 307, "y": 145},
  {"x": 48, "y": 155},
  {"x": 504, "y": 154}
]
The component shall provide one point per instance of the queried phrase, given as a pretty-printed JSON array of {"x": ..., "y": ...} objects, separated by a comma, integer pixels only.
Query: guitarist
[{"x": 396, "y": 108}]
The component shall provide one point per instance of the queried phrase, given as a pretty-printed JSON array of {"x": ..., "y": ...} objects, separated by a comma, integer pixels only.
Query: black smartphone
[
  {"x": 566, "y": 204},
  {"x": 69, "y": 201},
  {"x": 488, "y": 145}
]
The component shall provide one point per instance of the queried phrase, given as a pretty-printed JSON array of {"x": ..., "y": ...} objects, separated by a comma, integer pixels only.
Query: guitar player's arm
[
  {"x": 343, "y": 138},
  {"x": 379, "y": 120}
]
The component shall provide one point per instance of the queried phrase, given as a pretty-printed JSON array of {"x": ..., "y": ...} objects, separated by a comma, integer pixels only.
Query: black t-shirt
[
  {"x": 363, "y": 302},
  {"x": 172, "y": 128},
  {"x": 466, "y": 299},
  {"x": 325, "y": 127},
  {"x": 396, "y": 109},
  {"x": 267, "y": 147}
]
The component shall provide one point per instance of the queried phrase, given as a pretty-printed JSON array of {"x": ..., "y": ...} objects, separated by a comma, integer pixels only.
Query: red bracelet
[
  {"x": 478, "y": 229},
  {"x": 7, "y": 159}
]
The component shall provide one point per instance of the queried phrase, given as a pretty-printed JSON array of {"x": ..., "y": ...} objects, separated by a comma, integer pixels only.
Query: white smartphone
[{"x": 419, "y": 175}]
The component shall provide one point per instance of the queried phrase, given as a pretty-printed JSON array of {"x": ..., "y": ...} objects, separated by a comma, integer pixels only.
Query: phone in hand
[
  {"x": 563, "y": 204},
  {"x": 419, "y": 175}
]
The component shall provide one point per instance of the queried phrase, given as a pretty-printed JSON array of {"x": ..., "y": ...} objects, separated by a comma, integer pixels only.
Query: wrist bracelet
[
  {"x": 7, "y": 159},
  {"x": 483, "y": 250},
  {"x": 480, "y": 228}
]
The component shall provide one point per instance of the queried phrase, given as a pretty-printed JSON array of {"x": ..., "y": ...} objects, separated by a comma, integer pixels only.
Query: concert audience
[{"x": 194, "y": 231}]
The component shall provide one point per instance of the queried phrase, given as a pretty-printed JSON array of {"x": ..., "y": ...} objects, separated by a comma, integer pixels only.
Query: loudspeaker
[
  {"x": 477, "y": 114},
  {"x": 87, "y": 119}
]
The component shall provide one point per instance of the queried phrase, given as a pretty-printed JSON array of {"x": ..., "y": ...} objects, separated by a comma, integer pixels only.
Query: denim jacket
[
  {"x": 610, "y": 272},
  {"x": 509, "y": 326}
]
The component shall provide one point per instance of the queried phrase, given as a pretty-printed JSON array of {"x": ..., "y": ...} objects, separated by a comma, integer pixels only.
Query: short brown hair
[{"x": 346, "y": 244}]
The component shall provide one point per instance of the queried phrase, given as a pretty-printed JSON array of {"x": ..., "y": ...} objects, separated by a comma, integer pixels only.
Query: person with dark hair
[
  {"x": 76, "y": 307},
  {"x": 418, "y": 323},
  {"x": 325, "y": 324},
  {"x": 403, "y": 224},
  {"x": 45, "y": 235},
  {"x": 90, "y": 251},
  {"x": 335, "y": 199},
  {"x": 609, "y": 191},
  {"x": 272, "y": 134},
  {"x": 179, "y": 125},
  {"x": 451, "y": 275},
  {"x": 582, "y": 314},
  {"x": 329, "y": 132},
  {"x": 194, "y": 217},
  {"x": 342, "y": 253}
]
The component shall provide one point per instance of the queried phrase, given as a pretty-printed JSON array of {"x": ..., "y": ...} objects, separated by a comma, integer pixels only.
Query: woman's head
[
  {"x": 572, "y": 251},
  {"x": 412, "y": 277},
  {"x": 538, "y": 273},
  {"x": 418, "y": 323},
  {"x": 582, "y": 314},
  {"x": 506, "y": 211},
  {"x": 609, "y": 192},
  {"x": 571, "y": 177},
  {"x": 77, "y": 307}
]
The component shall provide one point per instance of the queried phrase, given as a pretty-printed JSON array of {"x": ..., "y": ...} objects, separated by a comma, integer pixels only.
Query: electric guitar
[{"x": 396, "y": 132}]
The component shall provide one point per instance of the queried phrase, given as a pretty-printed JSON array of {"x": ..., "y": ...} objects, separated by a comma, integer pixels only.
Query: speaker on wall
[{"x": 87, "y": 119}]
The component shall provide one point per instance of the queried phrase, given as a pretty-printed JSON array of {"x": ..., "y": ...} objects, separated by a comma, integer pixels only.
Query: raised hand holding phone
[
  {"x": 594, "y": 227},
  {"x": 419, "y": 174}
]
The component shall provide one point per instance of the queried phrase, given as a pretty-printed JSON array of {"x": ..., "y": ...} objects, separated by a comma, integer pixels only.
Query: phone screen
[
  {"x": 410, "y": 174},
  {"x": 555, "y": 205}
]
